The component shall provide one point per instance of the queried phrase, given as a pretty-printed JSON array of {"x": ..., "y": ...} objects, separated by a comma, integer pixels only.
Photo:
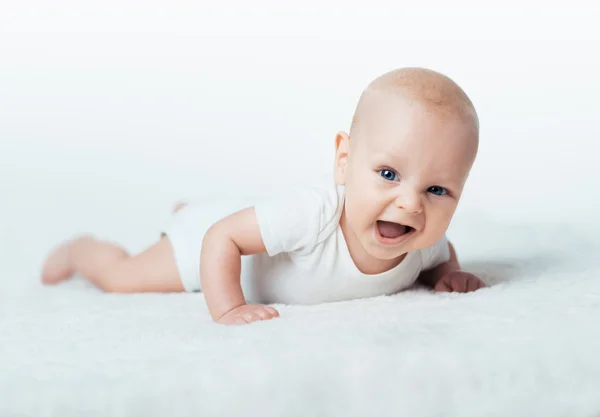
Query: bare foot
[
  {"x": 179, "y": 206},
  {"x": 57, "y": 266}
]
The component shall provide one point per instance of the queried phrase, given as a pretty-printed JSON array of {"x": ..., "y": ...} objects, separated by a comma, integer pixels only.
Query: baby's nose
[{"x": 410, "y": 202}]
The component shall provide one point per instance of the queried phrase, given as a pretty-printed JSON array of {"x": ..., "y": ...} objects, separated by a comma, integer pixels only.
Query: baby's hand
[
  {"x": 459, "y": 281},
  {"x": 248, "y": 313}
]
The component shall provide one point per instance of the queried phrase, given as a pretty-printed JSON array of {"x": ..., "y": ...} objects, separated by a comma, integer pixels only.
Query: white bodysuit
[{"x": 307, "y": 260}]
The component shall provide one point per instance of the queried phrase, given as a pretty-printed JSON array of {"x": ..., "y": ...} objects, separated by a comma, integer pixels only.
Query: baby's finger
[
  {"x": 481, "y": 284},
  {"x": 442, "y": 286},
  {"x": 273, "y": 312},
  {"x": 459, "y": 285},
  {"x": 472, "y": 285}
]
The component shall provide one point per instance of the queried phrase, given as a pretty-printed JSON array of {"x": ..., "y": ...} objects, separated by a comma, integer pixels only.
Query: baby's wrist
[{"x": 432, "y": 276}]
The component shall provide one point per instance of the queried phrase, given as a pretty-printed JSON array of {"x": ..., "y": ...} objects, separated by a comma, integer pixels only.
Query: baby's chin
[{"x": 390, "y": 253}]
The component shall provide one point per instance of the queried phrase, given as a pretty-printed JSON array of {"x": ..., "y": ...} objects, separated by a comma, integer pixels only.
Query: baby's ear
[{"x": 342, "y": 145}]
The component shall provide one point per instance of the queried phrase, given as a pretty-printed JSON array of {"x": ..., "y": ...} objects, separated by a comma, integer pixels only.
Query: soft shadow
[{"x": 513, "y": 269}]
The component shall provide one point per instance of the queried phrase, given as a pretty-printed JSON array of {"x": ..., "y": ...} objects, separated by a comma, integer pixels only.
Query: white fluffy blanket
[{"x": 526, "y": 346}]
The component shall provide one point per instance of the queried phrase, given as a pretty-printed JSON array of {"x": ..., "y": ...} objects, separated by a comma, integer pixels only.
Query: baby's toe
[
  {"x": 250, "y": 317},
  {"x": 264, "y": 314},
  {"x": 179, "y": 206},
  {"x": 272, "y": 311}
]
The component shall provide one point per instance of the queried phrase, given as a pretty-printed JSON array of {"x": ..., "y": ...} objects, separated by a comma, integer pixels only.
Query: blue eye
[
  {"x": 388, "y": 174},
  {"x": 437, "y": 190}
]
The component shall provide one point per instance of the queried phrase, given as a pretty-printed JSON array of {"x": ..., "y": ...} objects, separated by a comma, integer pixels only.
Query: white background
[{"x": 112, "y": 111}]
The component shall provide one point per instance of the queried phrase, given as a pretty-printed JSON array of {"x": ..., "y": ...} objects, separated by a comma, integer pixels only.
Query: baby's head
[{"x": 412, "y": 142}]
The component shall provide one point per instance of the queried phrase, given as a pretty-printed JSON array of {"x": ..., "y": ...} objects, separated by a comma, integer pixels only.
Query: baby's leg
[{"x": 112, "y": 269}]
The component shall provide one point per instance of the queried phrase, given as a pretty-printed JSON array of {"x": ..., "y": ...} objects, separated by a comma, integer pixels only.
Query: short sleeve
[
  {"x": 436, "y": 254},
  {"x": 293, "y": 220}
]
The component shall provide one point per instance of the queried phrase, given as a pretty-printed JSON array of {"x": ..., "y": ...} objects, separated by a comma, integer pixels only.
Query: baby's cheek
[
  {"x": 440, "y": 215},
  {"x": 433, "y": 232},
  {"x": 426, "y": 240},
  {"x": 357, "y": 214},
  {"x": 359, "y": 204}
]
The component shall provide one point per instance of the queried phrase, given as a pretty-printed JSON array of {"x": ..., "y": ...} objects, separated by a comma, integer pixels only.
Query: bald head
[
  {"x": 411, "y": 147},
  {"x": 435, "y": 92}
]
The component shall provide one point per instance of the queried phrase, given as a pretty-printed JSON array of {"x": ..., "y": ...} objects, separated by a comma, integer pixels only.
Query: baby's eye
[
  {"x": 437, "y": 190},
  {"x": 388, "y": 174}
]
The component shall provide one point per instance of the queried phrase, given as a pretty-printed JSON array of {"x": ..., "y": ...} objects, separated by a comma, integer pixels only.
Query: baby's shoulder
[
  {"x": 297, "y": 218},
  {"x": 327, "y": 197},
  {"x": 324, "y": 198},
  {"x": 330, "y": 203}
]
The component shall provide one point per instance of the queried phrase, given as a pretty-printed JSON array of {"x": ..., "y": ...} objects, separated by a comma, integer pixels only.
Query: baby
[{"x": 375, "y": 230}]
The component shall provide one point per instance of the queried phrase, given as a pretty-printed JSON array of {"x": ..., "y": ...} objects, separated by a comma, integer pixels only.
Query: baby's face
[{"x": 404, "y": 176}]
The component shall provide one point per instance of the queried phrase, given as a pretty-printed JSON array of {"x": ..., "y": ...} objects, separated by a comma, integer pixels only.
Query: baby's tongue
[{"x": 390, "y": 230}]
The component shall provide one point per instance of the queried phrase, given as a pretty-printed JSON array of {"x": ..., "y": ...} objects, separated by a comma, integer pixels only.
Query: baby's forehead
[
  {"x": 431, "y": 161},
  {"x": 422, "y": 105},
  {"x": 394, "y": 121},
  {"x": 419, "y": 139}
]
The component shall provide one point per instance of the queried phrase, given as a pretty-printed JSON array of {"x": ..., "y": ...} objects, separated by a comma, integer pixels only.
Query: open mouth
[{"x": 390, "y": 233}]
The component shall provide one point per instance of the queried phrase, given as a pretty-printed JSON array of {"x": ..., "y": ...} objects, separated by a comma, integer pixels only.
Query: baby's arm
[
  {"x": 447, "y": 276},
  {"x": 220, "y": 268}
]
